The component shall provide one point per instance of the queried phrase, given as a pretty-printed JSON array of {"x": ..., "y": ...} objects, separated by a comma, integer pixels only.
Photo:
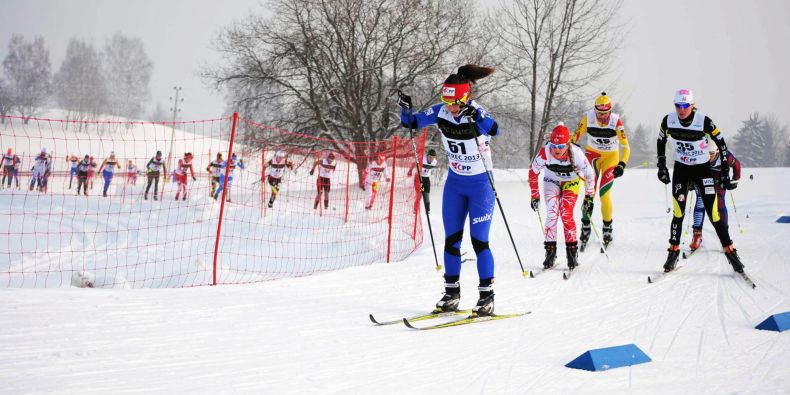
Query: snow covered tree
[
  {"x": 331, "y": 68},
  {"x": 27, "y": 71},
  {"x": 79, "y": 84},
  {"x": 643, "y": 149},
  {"x": 127, "y": 73},
  {"x": 6, "y": 100},
  {"x": 760, "y": 141}
]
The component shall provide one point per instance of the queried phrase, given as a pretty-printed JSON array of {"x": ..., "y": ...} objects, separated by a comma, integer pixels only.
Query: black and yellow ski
[
  {"x": 471, "y": 319},
  {"x": 422, "y": 317}
]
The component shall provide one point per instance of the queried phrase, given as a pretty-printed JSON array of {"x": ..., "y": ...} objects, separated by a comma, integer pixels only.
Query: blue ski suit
[{"x": 467, "y": 191}]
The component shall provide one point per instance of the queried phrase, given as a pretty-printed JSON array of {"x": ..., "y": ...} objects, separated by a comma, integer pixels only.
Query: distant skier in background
[
  {"x": 692, "y": 132},
  {"x": 73, "y": 161},
  {"x": 91, "y": 172},
  {"x": 326, "y": 167},
  {"x": 10, "y": 163},
  {"x": 154, "y": 168},
  {"x": 608, "y": 152},
  {"x": 424, "y": 181},
  {"x": 372, "y": 177},
  {"x": 42, "y": 168},
  {"x": 562, "y": 163},
  {"x": 233, "y": 163},
  {"x": 721, "y": 191},
  {"x": 17, "y": 168},
  {"x": 107, "y": 170},
  {"x": 215, "y": 168},
  {"x": 131, "y": 172},
  {"x": 180, "y": 174},
  {"x": 83, "y": 167},
  {"x": 275, "y": 169}
]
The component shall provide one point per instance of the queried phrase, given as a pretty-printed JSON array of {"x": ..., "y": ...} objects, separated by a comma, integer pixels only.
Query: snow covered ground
[{"x": 312, "y": 334}]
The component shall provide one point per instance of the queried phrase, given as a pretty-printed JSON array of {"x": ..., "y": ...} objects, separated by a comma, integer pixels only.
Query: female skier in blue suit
[{"x": 467, "y": 190}]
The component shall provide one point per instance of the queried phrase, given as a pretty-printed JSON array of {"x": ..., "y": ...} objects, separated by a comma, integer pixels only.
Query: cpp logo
[{"x": 460, "y": 168}]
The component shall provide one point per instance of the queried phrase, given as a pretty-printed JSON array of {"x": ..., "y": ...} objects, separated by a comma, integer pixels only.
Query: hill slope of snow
[{"x": 312, "y": 334}]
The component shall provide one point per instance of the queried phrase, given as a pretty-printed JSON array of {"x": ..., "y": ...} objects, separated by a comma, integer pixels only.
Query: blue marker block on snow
[
  {"x": 785, "y": 219},
  {"x": 609, "y": 358},
  {"x": 777, "y": 322}
]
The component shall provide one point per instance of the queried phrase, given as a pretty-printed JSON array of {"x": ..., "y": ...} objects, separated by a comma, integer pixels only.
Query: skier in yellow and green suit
[{"x": 607, "y": 149}]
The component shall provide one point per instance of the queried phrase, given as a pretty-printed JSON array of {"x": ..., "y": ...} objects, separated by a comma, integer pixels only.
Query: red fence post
[
  {"x": 263, "y": 178},
  {"x": 348, "y": 176},
  {"x": 392, "y": 195},
  {"x": 224, "y": 191}
]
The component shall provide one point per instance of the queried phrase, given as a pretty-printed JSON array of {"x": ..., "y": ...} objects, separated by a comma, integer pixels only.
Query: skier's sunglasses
[
  {"x": 558, "y": 146},
  {"x": 682, "y": 105}
]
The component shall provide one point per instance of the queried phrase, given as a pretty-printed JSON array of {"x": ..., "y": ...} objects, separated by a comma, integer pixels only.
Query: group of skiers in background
[{"x": 702, "y": 162}]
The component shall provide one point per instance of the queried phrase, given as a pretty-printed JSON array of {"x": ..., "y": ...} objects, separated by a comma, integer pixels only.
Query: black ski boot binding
[
  {"x": 607, "y": 233},
  {"x": 485, "y": 305},
  {"x": 452, "y": 295},
  {"x": 585, "y": 235},
  {"x": 732, "y": 256},
  {"x": 551, "y": 254},
  {"x": 572, "y": 255},
  {"x": 672, "y": 258}
]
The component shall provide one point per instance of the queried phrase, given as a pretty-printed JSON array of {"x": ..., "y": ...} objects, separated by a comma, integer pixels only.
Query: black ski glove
[
  {"x": 194, "y": 178},
  {"x": 312, "y": 171},
  {"x": 663, "y": 172},
  {"x": 404, "y": 101},
  {"x": 534, "y": 204},
  {"x": 469, "y": 111},
  {"x": 727, "y": 183},
  {"x": 587, "y": 206},
  {"x": 618, "y": 171}
]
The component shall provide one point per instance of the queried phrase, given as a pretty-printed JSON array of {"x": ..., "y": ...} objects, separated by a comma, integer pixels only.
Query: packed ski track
[{"x": 314, "y": 335}]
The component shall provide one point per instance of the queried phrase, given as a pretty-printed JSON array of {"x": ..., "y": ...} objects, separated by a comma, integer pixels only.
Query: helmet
[
  {"x": 188, "y": 155},
  {"x": 431, "y": 152},
  {"x": 331, "y": 155},
  {"x": 112, "y": 153},
  {"x": 9, "y": 151},
  {"x": 684, "y": 96},
  {"x": 158, "y": 153},
  {"x": 279, "y": 154},
  {"x": 560, "y": 134},
  {"x": 219, "y": 155},
  {"x": 603, "y": 103},
  {"x": 233, "y": 156},
  {"x": 381, "y": 157},
  {"x": 87, "y": 156},
  {"x": 43, "y": 151}
]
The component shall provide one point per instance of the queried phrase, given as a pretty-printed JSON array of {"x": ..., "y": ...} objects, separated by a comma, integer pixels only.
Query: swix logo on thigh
[{"x": 484, "y": 218}]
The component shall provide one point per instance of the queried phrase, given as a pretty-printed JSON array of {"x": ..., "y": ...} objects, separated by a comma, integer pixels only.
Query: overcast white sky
[{"x": 733, "y": 54}]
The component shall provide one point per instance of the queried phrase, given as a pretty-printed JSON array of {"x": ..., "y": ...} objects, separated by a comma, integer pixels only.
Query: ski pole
[
  {"x": 735, "y": 209},
  {"x": 422, "y": 188},
  {"x": 496, "y": 196},
  {"x": 666, "y": 199}
]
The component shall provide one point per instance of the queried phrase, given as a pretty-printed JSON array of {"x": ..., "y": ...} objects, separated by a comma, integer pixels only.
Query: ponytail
[{"x": 469, "y": 74}]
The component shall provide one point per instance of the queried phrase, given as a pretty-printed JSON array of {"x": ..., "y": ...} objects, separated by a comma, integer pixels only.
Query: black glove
[
  {"x": 618, "y": 171},
  {"x": 727, "y": 183},
  {"x": 404, "y": 101},
  {"x": 534, "y": 204},
  {"x": 663, "y": 172},
  {"x": 469, "y": 111},
  {"x": 194, "y": 178},
  {"x": 312, "y": 171},
  {"x": 587, "y": 206}
]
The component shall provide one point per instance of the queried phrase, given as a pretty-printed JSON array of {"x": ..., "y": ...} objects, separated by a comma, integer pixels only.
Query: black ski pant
[
  {"x": 426, "y": 192},
  {"x": 701, "y": 178},
  {"x": 152, "y": 178}
]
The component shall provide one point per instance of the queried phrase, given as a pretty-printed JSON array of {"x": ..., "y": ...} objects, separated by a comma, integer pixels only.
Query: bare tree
[
  {"x": 127, "y": 72},
  {"x": 6, "y": 100},
  {"x": 79, "y": 84},
  {"x": 27, "y": 69},
  {"x": 556, "y": 49},
  {"x": 331, "y": 67}
]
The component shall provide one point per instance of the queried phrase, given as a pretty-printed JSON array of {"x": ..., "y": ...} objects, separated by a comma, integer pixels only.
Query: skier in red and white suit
[
  {"x": 564, "y": 163},
  {"x": 181, "y": 174},
  {"x": 371, "y": 179}
]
